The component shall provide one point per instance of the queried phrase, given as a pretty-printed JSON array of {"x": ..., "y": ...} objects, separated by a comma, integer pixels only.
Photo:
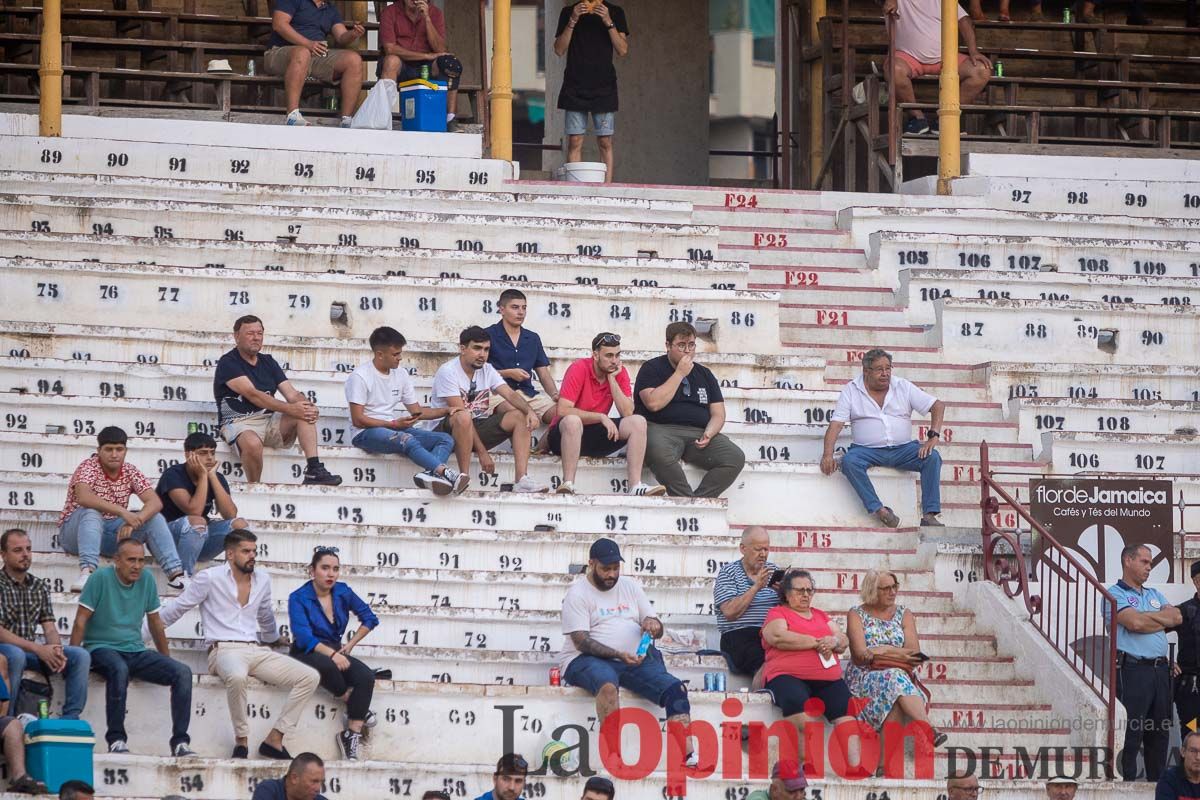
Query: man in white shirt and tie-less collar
[
  {"x": 238, "y": 613},
  {"x": 879, "y": 409}
]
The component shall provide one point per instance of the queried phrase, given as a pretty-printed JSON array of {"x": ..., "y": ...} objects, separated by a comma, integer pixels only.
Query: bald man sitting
[{"x": 742, "y": 597}]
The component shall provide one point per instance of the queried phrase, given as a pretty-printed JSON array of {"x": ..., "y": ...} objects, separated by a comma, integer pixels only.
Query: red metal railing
[{"x": 1070, "y": 609}]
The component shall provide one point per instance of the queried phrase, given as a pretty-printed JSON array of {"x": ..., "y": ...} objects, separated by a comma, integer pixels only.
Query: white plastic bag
[{"x": 376, "y": 111}]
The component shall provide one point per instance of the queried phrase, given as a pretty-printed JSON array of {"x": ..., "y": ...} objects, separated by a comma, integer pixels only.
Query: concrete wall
[
  {"x": 525, "y": 74},
  {"x": 662, "y": 126}
]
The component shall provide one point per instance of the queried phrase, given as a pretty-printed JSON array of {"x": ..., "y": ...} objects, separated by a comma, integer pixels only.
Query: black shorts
[
  {"x": 745, "y": 650},
  {"x": 791, "y": 693},
  {"x": 594, "y": 443}
]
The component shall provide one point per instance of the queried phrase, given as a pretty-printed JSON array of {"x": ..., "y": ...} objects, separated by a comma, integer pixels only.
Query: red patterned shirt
[{"x": 129, "y": 480}]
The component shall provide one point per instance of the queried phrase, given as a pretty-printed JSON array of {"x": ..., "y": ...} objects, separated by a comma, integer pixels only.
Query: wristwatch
[
  {"x": 610, "y": 27},
  {"x": 933, "y": 435}
]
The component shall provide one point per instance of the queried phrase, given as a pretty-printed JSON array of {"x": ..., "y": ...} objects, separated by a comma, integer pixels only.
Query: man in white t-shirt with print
[
  {"x": 879, "y": 409},
  {"x": 384, "y": 411},
  {"x": 465, "y": 386},
  {"x": 604, "y": 616}
]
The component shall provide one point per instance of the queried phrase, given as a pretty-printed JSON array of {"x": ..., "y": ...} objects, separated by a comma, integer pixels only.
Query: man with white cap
[{"x": 1060, "y": 787}]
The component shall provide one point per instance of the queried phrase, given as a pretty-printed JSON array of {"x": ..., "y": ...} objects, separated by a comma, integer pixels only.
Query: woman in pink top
[{"x": 802, "y": 645}]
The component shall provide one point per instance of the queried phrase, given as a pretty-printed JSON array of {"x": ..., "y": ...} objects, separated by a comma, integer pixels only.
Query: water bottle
[
  {"x": 251, "y": 70},
  {"x": 644, "y": 645},
  {"x": 1067, "y": 16}
]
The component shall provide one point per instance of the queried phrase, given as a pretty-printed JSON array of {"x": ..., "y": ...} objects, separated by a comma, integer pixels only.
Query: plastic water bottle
[
  {"x": 251, "y": 70},
  {"x": 644, "y": 645},
  {"x": 1067, "y": 15}
]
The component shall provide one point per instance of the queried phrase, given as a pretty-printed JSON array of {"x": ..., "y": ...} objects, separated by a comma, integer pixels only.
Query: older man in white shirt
[
  {"x": 879, "y": 409},
  {"x": 237, "y": 613}
]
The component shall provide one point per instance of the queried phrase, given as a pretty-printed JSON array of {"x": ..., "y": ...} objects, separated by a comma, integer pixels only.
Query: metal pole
[
  {"x": 949, "y": 111},
  {"x": 501, "y": 99},
  {"x": 51, "y": 72},
  {"x": 816, "y": 93}
]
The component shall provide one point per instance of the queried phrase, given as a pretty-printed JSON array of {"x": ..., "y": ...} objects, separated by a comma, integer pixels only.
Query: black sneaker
[
  {"x": 349, "y": 742},
  {"x": 916, "y": 126},
  {"x": 279, "y": 754},
  {"x": 240, "y": 751},
  {"x": 434, "y": 482},
  {"x": 319, "y": 476}
]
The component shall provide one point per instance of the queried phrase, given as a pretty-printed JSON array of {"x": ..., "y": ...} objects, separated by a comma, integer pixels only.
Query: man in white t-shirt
[
  {"x": 604, "y": 616},
  {"x": 384, "y": 411},
  {"x": 465, "y": 386},
  {"x": 879, "y": 409}
]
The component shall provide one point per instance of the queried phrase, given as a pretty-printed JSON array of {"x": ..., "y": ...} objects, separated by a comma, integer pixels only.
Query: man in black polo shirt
[
  {"x": 682, "y": 402},
  {"x": 249, "y": 415},
  {"x": 589, "y": 32},
  {"x": 1187, "y": 661}
]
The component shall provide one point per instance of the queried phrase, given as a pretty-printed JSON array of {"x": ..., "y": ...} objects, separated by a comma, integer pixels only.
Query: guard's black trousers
[{"x": 1144, "y": 688}]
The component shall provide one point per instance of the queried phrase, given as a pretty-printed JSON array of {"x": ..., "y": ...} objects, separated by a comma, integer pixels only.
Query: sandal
[{"x": 27, "y": 784}]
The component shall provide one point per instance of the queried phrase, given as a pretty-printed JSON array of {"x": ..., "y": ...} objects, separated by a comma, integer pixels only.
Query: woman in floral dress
[{"x": 884, "y": 651}]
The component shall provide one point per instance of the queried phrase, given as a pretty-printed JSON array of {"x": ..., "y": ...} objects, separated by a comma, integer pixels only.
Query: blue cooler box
[
  {"x": 423, "y": 105},
  {"x": 59, "y": 750}
]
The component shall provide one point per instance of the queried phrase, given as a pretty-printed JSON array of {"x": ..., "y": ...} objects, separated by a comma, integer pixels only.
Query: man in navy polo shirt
[
  {"x": 517, "y": 354},
  {"x": 1143, "y": 669},
  {"x": 298, "y": 50}
]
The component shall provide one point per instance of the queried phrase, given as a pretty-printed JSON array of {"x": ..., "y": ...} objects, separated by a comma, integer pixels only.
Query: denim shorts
[
  {"x": 603, "y": 123},
  {"x": 649, "y": 679}
]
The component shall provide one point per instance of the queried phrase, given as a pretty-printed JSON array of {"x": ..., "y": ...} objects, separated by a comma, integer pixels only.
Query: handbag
[
  {"x": 32, "y": 693},
  {"x": 891, "y": 662}
]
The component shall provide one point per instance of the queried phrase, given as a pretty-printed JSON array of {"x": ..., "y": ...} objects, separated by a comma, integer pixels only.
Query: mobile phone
[
  {"x": 921, "y": 656},
  {"x": 776, "y": 577}
]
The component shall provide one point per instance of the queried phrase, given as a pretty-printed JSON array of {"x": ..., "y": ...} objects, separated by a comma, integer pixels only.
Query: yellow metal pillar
[
  {"x": 816, "y": 94},
  {"x": 51, "y": 72},
  {"x": 949, "y": 110},
  {"x": 501, "y": 100}
]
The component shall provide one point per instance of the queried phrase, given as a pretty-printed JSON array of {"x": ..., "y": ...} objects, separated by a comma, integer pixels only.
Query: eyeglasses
[
  {"x": 895, "y": 587},
  {"x": 685, "y": 346},
  {"x": 606, "y": 340},
  {"x": 802, "y": 590},
  {"x": 687, "y": 388}
]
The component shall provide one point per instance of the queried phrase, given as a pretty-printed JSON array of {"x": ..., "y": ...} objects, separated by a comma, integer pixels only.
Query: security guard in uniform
[
  {"x": 1143, "y": 668},
  {"x": 1187, "y": 670}
]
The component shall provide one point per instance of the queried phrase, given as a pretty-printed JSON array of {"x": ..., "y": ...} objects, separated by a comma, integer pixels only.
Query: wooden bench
[{"x": 174, "y": 24}]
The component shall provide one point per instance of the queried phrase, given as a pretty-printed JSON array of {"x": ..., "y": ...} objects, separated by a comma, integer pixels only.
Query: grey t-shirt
[{"x": 614, "y": 618}]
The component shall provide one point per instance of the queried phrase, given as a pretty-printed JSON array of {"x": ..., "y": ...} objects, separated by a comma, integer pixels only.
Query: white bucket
[{"x": 581, "y": 172}]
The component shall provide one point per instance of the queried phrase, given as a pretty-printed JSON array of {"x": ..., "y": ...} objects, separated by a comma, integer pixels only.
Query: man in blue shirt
[
  {"x": 517, "y": 354},
  {"x": 1143, "y": 668},
  {"x": 298, "y": 50},
  {"x": 508, "y": 782},
  {"x": 303, "y": 781}
]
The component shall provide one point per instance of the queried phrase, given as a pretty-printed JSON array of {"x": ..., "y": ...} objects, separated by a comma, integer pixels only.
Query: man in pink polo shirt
[
  {"x": 412, "y": 34},
  {"x": 583, "y": 427},
  {"x": 919, "y": 52}
]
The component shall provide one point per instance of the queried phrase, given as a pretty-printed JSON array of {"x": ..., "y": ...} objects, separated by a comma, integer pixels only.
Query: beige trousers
[{"x": 235, "y": 662}]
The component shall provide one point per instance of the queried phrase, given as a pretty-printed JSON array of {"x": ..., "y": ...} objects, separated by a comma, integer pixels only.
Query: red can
[{"x": 555, "y": 677}]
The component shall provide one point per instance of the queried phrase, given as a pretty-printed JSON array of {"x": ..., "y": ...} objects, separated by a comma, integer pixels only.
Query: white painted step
[{"x": 1135, "y": 382}]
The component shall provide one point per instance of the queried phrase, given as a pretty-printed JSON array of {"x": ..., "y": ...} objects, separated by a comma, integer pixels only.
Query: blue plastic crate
[
  {"x": 423, "y": 105},
  {"x": 59, "y": 750}
]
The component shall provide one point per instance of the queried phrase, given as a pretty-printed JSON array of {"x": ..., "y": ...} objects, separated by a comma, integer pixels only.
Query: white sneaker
[
  {"x": 528, "y": 485},
  {"x": 25, "y": 719},
  {"x": 179, "y": 581},
  {"x": 296, "y": 118},
  {"x": 370, "y": 722},
  {"x": 450, "y": 118},
  {"x": 566, "y": 487},
  {"x": 693, "y": 760},
  {"x": 345, "y": 122},
  {"x": 79, "y": 583},
  {"x": 434, "y": 482},
  {"x": 119, "y": 746},
  {"x": 646, "y": 490},
  {"x": 460, "y": 480}
]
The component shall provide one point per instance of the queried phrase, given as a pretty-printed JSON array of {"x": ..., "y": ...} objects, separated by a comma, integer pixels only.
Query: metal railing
[{"x": 1070, "y": 608}]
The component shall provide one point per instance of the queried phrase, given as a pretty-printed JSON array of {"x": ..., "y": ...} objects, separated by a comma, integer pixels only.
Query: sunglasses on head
[
  {"x": 608, "y": 340},
  {"x": 324, "y": 550},
  {"x": 472, "y": 393}
]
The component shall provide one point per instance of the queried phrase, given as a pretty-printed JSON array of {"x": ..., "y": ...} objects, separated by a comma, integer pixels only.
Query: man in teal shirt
[
  {"x": 1143, "y": 668},
  {"x": 108, "y": 623}
]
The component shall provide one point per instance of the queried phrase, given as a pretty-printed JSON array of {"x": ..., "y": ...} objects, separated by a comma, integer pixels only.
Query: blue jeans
[
  {"x": 900, "y": 456},
  {"x": 428, "y": 449},
  {"x": 151, "y": 666},
  {"x": 89, "y": 535},
  {"x": 75, "y": 675},
  {"x": 195, "y": 544}
]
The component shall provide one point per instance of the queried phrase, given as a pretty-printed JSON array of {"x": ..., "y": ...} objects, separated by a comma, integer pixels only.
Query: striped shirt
[{"x": 732, "y": 581}]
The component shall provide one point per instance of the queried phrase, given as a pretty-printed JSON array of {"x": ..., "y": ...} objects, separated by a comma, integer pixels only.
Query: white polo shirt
[{"x": 872, "y": 426}]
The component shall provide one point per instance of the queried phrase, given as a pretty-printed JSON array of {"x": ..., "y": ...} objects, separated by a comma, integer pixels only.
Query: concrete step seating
[
  {"x": 921, "y": 288},
  {"x": 1008, "y": 379},
  {"x": 1037, "y": 414},
  {"x": 513, "y": 268},
  {"x": 1069, "y": 332},
  {"x": 193, "y": 158},
  {"x": 484, "y": 201},
  {"x": 1150, "y": 198},
  {"x": 171, "y": 346},
  {"x": 186, "y": 298},
  {"x": 1051, "y": 257},
  {"x": 316, "y": 225},
  {"x": 1121, "y": 452}
]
